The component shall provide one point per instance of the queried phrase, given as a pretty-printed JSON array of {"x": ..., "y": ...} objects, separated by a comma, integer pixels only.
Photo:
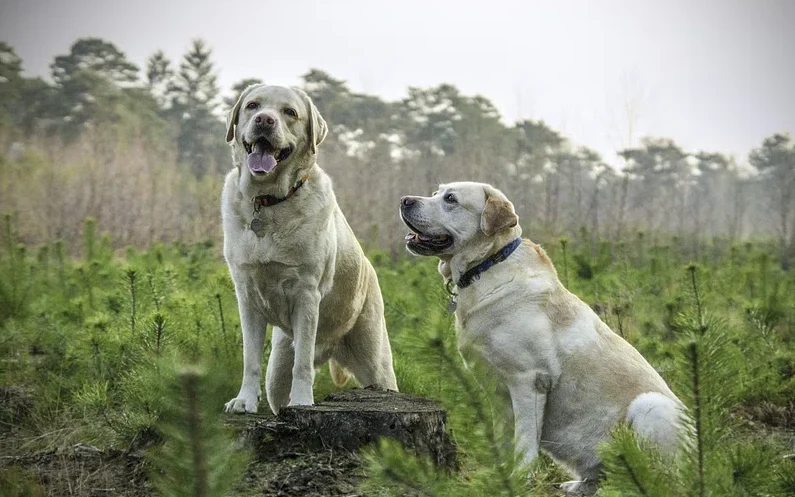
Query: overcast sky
[{"x": 715, "y": 75}]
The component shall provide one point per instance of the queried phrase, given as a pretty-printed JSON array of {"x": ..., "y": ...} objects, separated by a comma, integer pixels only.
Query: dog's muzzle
[
  {"x": 417, "y": 241},
  {"x": 263, "y": 156}
]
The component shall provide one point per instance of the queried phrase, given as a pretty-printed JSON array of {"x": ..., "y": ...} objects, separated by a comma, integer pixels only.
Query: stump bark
[{"x": 355, "y": 418}]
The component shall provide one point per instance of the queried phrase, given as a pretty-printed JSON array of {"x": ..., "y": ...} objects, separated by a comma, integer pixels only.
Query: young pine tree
[
  {"x": 199, "y": 458},
  {"x": 717, "y": 457}
]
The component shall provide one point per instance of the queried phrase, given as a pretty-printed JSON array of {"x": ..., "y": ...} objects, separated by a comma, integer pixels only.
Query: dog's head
[
  {"x": 459, "y": 217},
  {"x": 271, "y": 128}
]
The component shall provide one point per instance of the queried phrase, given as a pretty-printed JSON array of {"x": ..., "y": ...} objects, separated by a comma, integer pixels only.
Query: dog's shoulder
[
  {"x": 230, "y": 192},
  {"x": 540, "y": 256}
]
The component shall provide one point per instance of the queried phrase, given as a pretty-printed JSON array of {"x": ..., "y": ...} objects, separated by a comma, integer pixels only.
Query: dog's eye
[
  {"x": 434, "y": 193},
  {"x": 291, "y": 112},
  {"x": 252, "y": 105},
  {"x": 450, "y": 198}
]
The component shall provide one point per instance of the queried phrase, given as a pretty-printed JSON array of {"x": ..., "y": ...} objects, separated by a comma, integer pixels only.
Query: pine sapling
[
  {"x": 156, "y": 297},
  {"x": 618, "y": 310},
  {"x": 631, "y": 472},
  {"x": 199, "y": 457},
  {"x": 691, "y": 269},
  {"x": 198, "y": 326},
  {"x": 476, "y": 401},
  {"x": 159, "y": 330},
  {"x": 222, "y": 322},
  {"x": 692, "y": 350},
  {"x": 9, "y": 238},
  {"x": 60, "y": 258},
  {"x": 131, "y": 277},
  {"x": 635, "y": 467},
  {"x": 43, "y": 258},
  {"x": 190, "y": 387}
]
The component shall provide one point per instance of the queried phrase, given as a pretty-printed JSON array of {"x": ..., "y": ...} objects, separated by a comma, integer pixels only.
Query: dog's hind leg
[
  {"x": 386, "y": 378},
  {"x": 338, "y": 374},
  {"x": 279, "y": 372},
  {"x": 366, "y": 353}
]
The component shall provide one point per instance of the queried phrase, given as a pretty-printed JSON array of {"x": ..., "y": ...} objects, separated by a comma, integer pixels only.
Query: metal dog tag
[
  {"x": 452, "y": 305},
  {"x": 257, "y": 226}
]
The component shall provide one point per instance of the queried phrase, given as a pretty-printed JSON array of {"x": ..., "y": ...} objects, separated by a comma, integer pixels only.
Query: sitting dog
[
  {"x": 294, "y": 259},
  {"x": 570, "y": 379}
]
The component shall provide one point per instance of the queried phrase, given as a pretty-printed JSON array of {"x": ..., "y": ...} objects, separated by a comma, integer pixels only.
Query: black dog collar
[
  {"x": 268, "y": 200},
  {"x": 474, "y": 273},
  {"x": 499, "y": 256}
]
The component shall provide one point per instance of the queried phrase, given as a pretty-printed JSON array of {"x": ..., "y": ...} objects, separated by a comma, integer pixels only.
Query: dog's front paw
[
  {"x": 583, "y": 488},
  {"x": 241, "y": 404},
  {"x": 301, "y": 400},
  {"x": 301, "y": 394}
]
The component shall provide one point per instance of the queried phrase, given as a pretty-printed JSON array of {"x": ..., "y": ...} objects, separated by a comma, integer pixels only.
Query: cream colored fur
[
  {"x": 571, "y": 380},
  {"x": 307, "y": 276}
]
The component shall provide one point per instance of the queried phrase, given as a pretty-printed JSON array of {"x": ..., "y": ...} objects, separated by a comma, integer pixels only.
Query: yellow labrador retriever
[
  {"x": 571, "y": 380},
  {"x": 293, "y": 258}
]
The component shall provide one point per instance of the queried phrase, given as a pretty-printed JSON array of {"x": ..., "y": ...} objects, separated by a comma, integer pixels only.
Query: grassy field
[{"x": 101, "y": 347}]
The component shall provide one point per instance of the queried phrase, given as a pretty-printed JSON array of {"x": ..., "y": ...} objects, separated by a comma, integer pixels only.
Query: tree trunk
[{"x": 355, "y": 418}]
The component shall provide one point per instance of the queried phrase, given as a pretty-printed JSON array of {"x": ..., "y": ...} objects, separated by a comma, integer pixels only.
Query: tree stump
[{"x": 355, "y": 418}]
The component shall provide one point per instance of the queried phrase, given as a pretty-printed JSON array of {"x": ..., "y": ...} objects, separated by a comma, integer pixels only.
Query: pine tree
[
  {"x": 194, "y": 104},
  {"x": 158, "y": 78},
  {"x": 10, "y": 68},
  {"x": 10, "y": 82},
  {"x": 716, "y": 459},
  {"x": 89, "y": 81},
  {"x": 775, "y": 160},
  {"x": 199, "y": 457},
  {"x": 95, "y": 55}
]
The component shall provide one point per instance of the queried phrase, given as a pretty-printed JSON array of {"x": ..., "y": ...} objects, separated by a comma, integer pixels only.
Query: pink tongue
[{"x": 261, "y": 163}]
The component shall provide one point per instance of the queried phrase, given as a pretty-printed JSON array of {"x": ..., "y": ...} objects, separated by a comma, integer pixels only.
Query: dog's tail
[{"x": 339, "y": 375}]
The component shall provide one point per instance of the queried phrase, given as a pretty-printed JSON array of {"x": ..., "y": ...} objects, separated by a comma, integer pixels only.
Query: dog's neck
[
  {"x": 457, "y": 265},
  {"x": 280, "y": 186}
]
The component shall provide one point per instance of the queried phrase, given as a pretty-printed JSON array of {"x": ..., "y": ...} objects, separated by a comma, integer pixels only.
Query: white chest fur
[{"x": 294, "y": 249}]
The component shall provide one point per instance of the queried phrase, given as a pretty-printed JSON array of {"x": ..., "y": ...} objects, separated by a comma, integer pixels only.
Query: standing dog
[
  {"x": 571, "y": 380},
  {"x": 294, "y": 259}
]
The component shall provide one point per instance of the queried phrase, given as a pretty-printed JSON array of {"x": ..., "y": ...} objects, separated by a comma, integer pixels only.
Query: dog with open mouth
[
  {"x": 570, "y": 378},
  {"x": 294, "y": 260}
]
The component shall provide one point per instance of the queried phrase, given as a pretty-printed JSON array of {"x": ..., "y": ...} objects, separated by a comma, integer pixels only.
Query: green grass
[{"x": 99, "y": 344}]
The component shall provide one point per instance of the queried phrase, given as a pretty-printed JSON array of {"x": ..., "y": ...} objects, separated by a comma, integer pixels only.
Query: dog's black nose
[
  {"x": 407, "y": 201},
  {"x": 265, "y": 119}
]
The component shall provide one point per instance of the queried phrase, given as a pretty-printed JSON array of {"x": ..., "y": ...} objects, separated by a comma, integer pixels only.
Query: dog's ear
[
  {"x": 318, "y": 129},
  {"x": 498, "y": 214},
  {"x": 234, "y": 114}
]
